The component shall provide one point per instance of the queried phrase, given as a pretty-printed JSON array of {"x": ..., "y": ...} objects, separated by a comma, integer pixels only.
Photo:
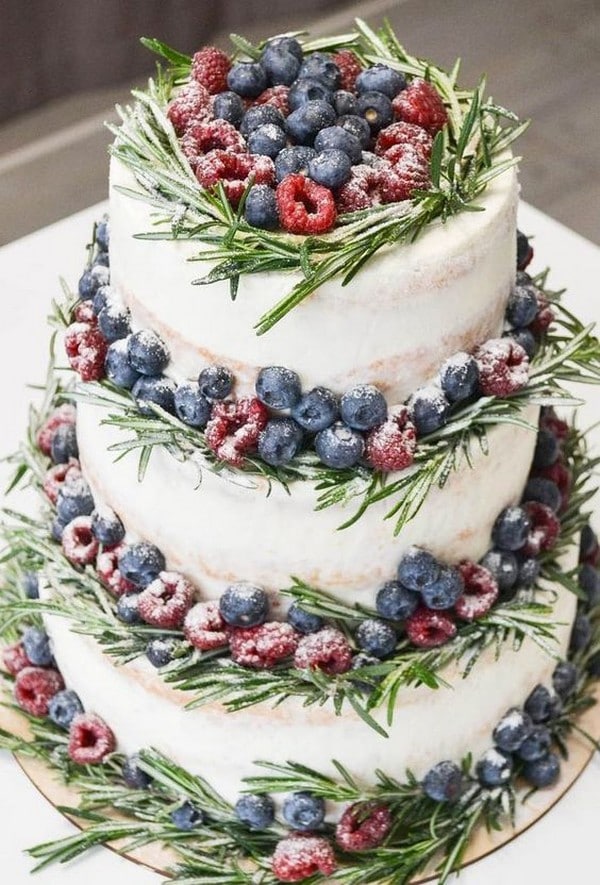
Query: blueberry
[
  {"x": 459, "y": 377},
  {"x": 147, "y": 352},
  {"x": 303, "y": 811},
  {"x": 522, "y": 306},
  {"x": 320, "y": 66},
  {"x": 504, "y": 568},
  {"x": 281, "y": 65},
  {"x": 107, "y": 527},
  {"x": 339, "y": 139},
  {"x": 444, "y": 592},
  {"x": 344, "y": 102},
  {"x": 280, "y": 441},
  {"x": 187, "y": 817},
  {"x": 429, "y": 409},
  {"x": 190, "y": 406},
  {"x": 581, "y": 633},
  {"x": 494, "y": 769},
  {"x": 278, "y": 387},
  {"x": 244, "y": 605},
  {"x": 418, "y": 569},
  {"x": 304, "y": 123},
  {"x": 287, "y": 44},
  {"x": 161, "y": 651},
  {"x": 293, "y": 161},
  {"x": 303, "y": 621},
  {"x": 543, "y": 490},
  {"x": 363, "y": 407},
  {"x": 588, "y": 542},
  {"x": 92, "y": 280},
  {"x": 260, "y": 115},
  {"x": 330, "y": 168},
  {"x": 593, "y": 666},
  {"x": 260, "y": 208},
  {"x": 256, "y": 811},
  {"x": 540, "y": 705},
  {"x": 102, "y": 235},
  {"x": 358, "y": 126},
  {"x": 443, "y": 782},
  {"x": 523, "y": 248},
  {"x": 536, "y": 744},
  {"x": 159, "y": 391},
  {"x": 74, "y": 499},
  {"x": 104, "y": 296},
  {"x": 308, "y": 89},
  {"x": 316, "y": 409},
  {"x": 339, "y": 446},
  {"x": 134, "y": 776},
  {"x": 228, "y": 106},
  {"x": 396, "y": 602},
  {"x": 57, "y": 529},
  {"x": 64, "y": 444},
  {"x": 141, "y": 563},
  {"x": 589, "y": 582},
  {"x": 37, "y": 646},
  {"x": 30, "y": 585},
  {"x": 102, "y": 258},
  {"x": 564, "y": 679},
  {"x": 512, "y": 730},
  {"x": 542, "y": 772},
  {"x": 127, "y": 609},
  {"x": 547, "y": 449},
  {"x": 525, "y": 339},
  {"x": 216, "y": 382},
  {"x": 376, "y": 637},
  {"x": 117, "y": 366},
  {"x": 114, "y": 321},
  {"x": 376, "y": 108},
  {"x": 64, "y": 707},
  {"x": 529, "y": 571},
  {"x": 380, "y": 78},
  {"x": 247, "y": 78},
  {"x": 511, "y": 529}
]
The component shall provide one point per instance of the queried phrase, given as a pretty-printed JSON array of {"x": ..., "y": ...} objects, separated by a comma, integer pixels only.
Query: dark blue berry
[
  {"x": 57, "y": 529},
  {"x": 396, "y": 602},
  {"x": 107, "y": 527},
  {"x": 445, "y": 590},
  {"x": 287, "y": 44},
  {"x": 380, "y": 78},
  {"x": 339, "y": 446},
  {"x": 281, "y": 65},
  {"x": 564, "y": 679},
  {"x": 147, "y": 352},
  {"x": 581, "y": 633},
  {"x": 104, "y": 296},
  {"x": 443, "y": 782},
  {"x": 376, "y": 637},
  {"x": 593, "y": 666},
  {"x": 588, "y": 542},
  {"x": 529, "y": 571},
  {"x": 303, "y": 621},
  {"x": 159, "y": 391},
  {"x": 344, "y": 102},
  {"x": 540, "y": 705},
  {"x": 429, "y": 409},
  {"x": 228, "y": 106},
  {"x": 376, "y": 108},
  {"x": 536, "y": 744},
  {"x": 542, "y": 772},
  {"x": 278, "y": 387},
  {"x": 418, "y": 569},
  {"x": 330, "y": 168},
  {"x": 358, "y": 126},
  {"x": 114, "y": 321},
  {"x": 134, "y": 776},
  {"x": 512, "y": 730},
  {"x": 545, "y": 491},
  {"x": 316, "y": 409},
  {"x": 256, "y": 811},
  {"x": 320, "y": 66},
  {"x": 37, "y": 646},
  {"x": 293, "y": 161},
  {"x": 459, "y": 377},
  {"x": 260, "y": 208},
  {"x": 247, "y": 78},
  {"x": 161, "y": 652},
  {"x": 260, "y": 115},
  {"x": 504, "y": 568},
  {"x": 187, "y": 817},
  {"x": 216, "y": 382},
  {"x": 102, "y": 258},
  {"x": 304, "y": 123},
  {"x": 589, "y": 582},
  {"x": 511, "y": 529},
  {"x": 117, "y": 366},
  {"x": 92, "y": 280},
  {"x": 526, "y": 339},
  {"x": 74, "y": 499},
  {"x": 523, "y": 248},
  {"x": 102, "y": 235},
  {"x": 363, "y": 407},
  {"x": 141, "y": 563},
  {"x": 280, "y": 441},
  {"x": 547, "y": 449},
  {"x": 30, "y": 585},
  {"x": 522, "y": 306},
  {"x": 64, "y": 444},
  {"x": 494, "y": 769},
  {"x": 64, "y": 707},
  {"x": 303, "y": 811},
  {"x": 339, "y": 139},
  {"x": 308, "y": 89},
  {"x": 127, "y": 609},
  {"x": 244, "y": 605},
  {"x": 190, "y": 406}
]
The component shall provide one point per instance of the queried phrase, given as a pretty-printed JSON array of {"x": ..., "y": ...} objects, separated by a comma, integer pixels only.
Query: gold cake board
[{"x": 482, "y": 843}]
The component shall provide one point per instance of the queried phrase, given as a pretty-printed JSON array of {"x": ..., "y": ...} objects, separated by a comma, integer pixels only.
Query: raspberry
[
  {"x": 304, "y": 206},
  {"x": 84, "y": 313},
  {"x": 78, "y": 541},
  {"x": 277, "y": 97},
  {"x": 327, "y": 650},
  {"x": 421, "y": 104},
  {"x": 90, "y": 739},
  {"x": 430, "y": 629},
  {"x": 479, "y": 594},
  {"x": 263, "y": 646},
  {"x": 300, "y": 856},
  {"x": 35, "y": 688},
  {"x": 235, "y": 171},
  {"x": 503, "y": 367},
  {"x": 562, "y": 476},
  {"x": 361, "y": 191},
  {"x": 204, "y": 627},
  {"x": 190, "y": 106},
  {"x": 408, "y": 172},
  {"x": 349, "y": 67},
  {"x": 210, "y": 67},
  {"x": 362, "y": 826},
  {"x": 405, "y": 134},
  {"x": 550, "y": 421},
  {"x": 166, "y": 601},
  {"x": 56, "y": 476},
  {"x": 544, "y": 531},
  {"x": 392, "y": 445},
  {"x": 216, "y": 135},
  {"x": 544, "y": 317},
  {"x": 234, "y": 428},
  {"x": 107, "y": 567},
  {"x": 65, "y": 414},
  {"x": 15, "y": 659},
  {"x": 86, "y": 349}
]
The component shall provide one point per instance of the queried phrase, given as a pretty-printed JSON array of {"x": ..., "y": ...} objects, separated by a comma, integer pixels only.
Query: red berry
[
  {"x": 544, "y": 531},
  {"x": 361, "y": 191},
  {"x": 107, "y": 568},
  {"x": 235, "y": 171},
  {"x": 550, "y": 421},
  {"x": 166, "y": 601},
  {"x": 408, "y": 172},
  {"x": 405, "y": 134},
  {"x": 204, "y": 627},
  {"x": 420, "y": 103},
  {"x": 234, "y": 428},
  {"x": 480, "y": 593},
  {"x": 263, "y": 646},
  {"x": 35, "y": 687},
  {"x": 544, "y": 317},
  {"x": 300, "y": 856},
  {"x": 305, "y": 207},
  {"x": 430, "y": 629},
  {"x": 560, "y": 474},
  {"x": 79, "y": 544},
  {"x": 277, "y": 97},
  {"x": 86, "y": 350},
  {"x": 362, "y": 826},
  {"x": 191, "y": 105},
  {"x": 327, "y": 650},
  {"x": 210, "y": 67},
  {"x": 84, "y": 313},
  {"x": 392, "y": 445},
  {"x": 65, "y": 414},
  {"x": 216, "y": 135},
  {"x": 90, "y": 739},
  {"x": 349, "y": 67},
  {"x": 58, "y": 475},
  {"x": 503, "y": 367},
  {"x": 15, "y": 659}
]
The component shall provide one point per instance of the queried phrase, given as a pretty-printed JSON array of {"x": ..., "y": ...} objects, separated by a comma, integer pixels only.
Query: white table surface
[{"x": 560, "y": 848}]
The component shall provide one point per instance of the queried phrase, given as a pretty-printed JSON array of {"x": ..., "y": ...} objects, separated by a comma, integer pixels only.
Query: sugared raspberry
[
  {"x": 362, "y": 826},
  {"x": 234, "y": 428},
  {"x": 277, "y": 97},
  {"x": 58, "y": 475},
  {"x": 65, "y": 414},
  {"x": 349, "y": 67},
  {"x": 35, "y": 687},
  {"x": 107, "y": 568},
  {"x": 430, "y": 629},
  {"x": 305, "y": 207},
  {"x": 204, "y": 627},
  {"x": 263, "y": 646},
  {"x": 550, "y": 421},
  {"x": 300, "y": 856},
  {"x": 79, "y": 543},
  {"x": 90, "y": 739},
  {"x": 235, "y": 171},
  {"x": 216, "y": 135},
  {"x": 84, "y": 313},
  {"x": 166, "y": 601},
  {"x": 405, "y": 134},
  {"x": 544, "y": 317},
  {"x": 503, "y": 367},
  {"x": 408, "y": 172},
  {"x": 86, "y": 350},
  {"x": 15, "y": 659},
  {"x": 361, "y": 191},
  {"x": 420, "y": 103},
  {"x": 544, "y": 531},
  {"x": 190, "y": 106},
  {"x": 560, "y": 474},
  {"x": 479, "y": 594},
  {"x": 392, "y": 445},
  {"x": 327, "y": 650},
  {"x": 210, "y": 67}
]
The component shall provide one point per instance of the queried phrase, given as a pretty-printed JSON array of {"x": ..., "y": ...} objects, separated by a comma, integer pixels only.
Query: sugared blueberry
[
  {"x": 376, "y": 637},
  {"x": 247, "y": 78},
  {"x": 148, "y": 354},
  {"x": 114, "y": 321},
  {"x": 526, "y": 339},
  {"x": 512, "y": 730},
  {"x": 161, "y": 651},
  {"x": 37, "y": 646},
  {"x": 216, "y": 382},
  {"x": 331, "y": 168},
  {"x": 107, "y": 527},
  {"x": 504, "y": 568},
  {"x": 445, "y": 590},
  {"x": 339, "y": 446},
  {"x": 380, "y": 78},
  {"x": 308, "y": 89},
  {"x": 511, "y": 529},
  {"x": 261, "y": 115},
  {"x": 418, "y": 569},
  {"x": 304, "y": 621},
  {"x": 244, "y": 605},
  {"x": 429, "y": 409},
  {"x": 256, "y": 811},
  {"x": 30, "y": 585},
  {"x": 524, "y": 250},
  {"x": 522, "y": 306},
  {"x": 494, "y": 769},
  {"x": 159, "y": 391},
  {"x": 293, "y": 161},
  {"x": 103, "y": 297},
  {"x": 74, "y": 499},
  {"x": 280, "y": 441},
  {"x": 339, "y": 139},
  {"x": 588, "y": 543},
  {"x": 363, "y": 407},
  {"x": 134, "y": 776},
  {"x": 581, "y": 633},
  {"x": 280, "y": 64},
  {"x": 187, "y": 817},
  {"x": 92, "y": 280},
  {"x": 564, "y": 679},
  {"x": 141, "y": 563},
  {"x": 529, "y": 571},
  {"x": 117, "y": 366},
  {"x": 228, "y": 106},
  {"x": 443, "y": 782},
  {"x": 191, "y": 406},
  {"x": 459, "y": 377},
  {"x": 547, "y": 449},
  {"x": 542, "y": 772},
  {"x": 545, "y": 491},
  {"x": 536, "y": 744},
  {"x": 260, "y": 208},
  {"x": 64, "y": 444},
  {"x": 316, "y": 409},
  {"x": 278, "y": 387},
  {"x": 358, "y": 126},
  {"x": 396, "y": 602},
  {"x": 344, "y": 102},
  {"x": 589, "y": 582},
  {"x": 376, "y": 108},
  {"x": 64, "y": 707},
  {"x": 304, "y": 123},
  {"x": 304, "y": 811},
  {"x": 127, "y": 608},
  {"x": 540, "y": 705},
  {"x": 102, "y": 235},
  {"x": 320, "y": 66}
]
